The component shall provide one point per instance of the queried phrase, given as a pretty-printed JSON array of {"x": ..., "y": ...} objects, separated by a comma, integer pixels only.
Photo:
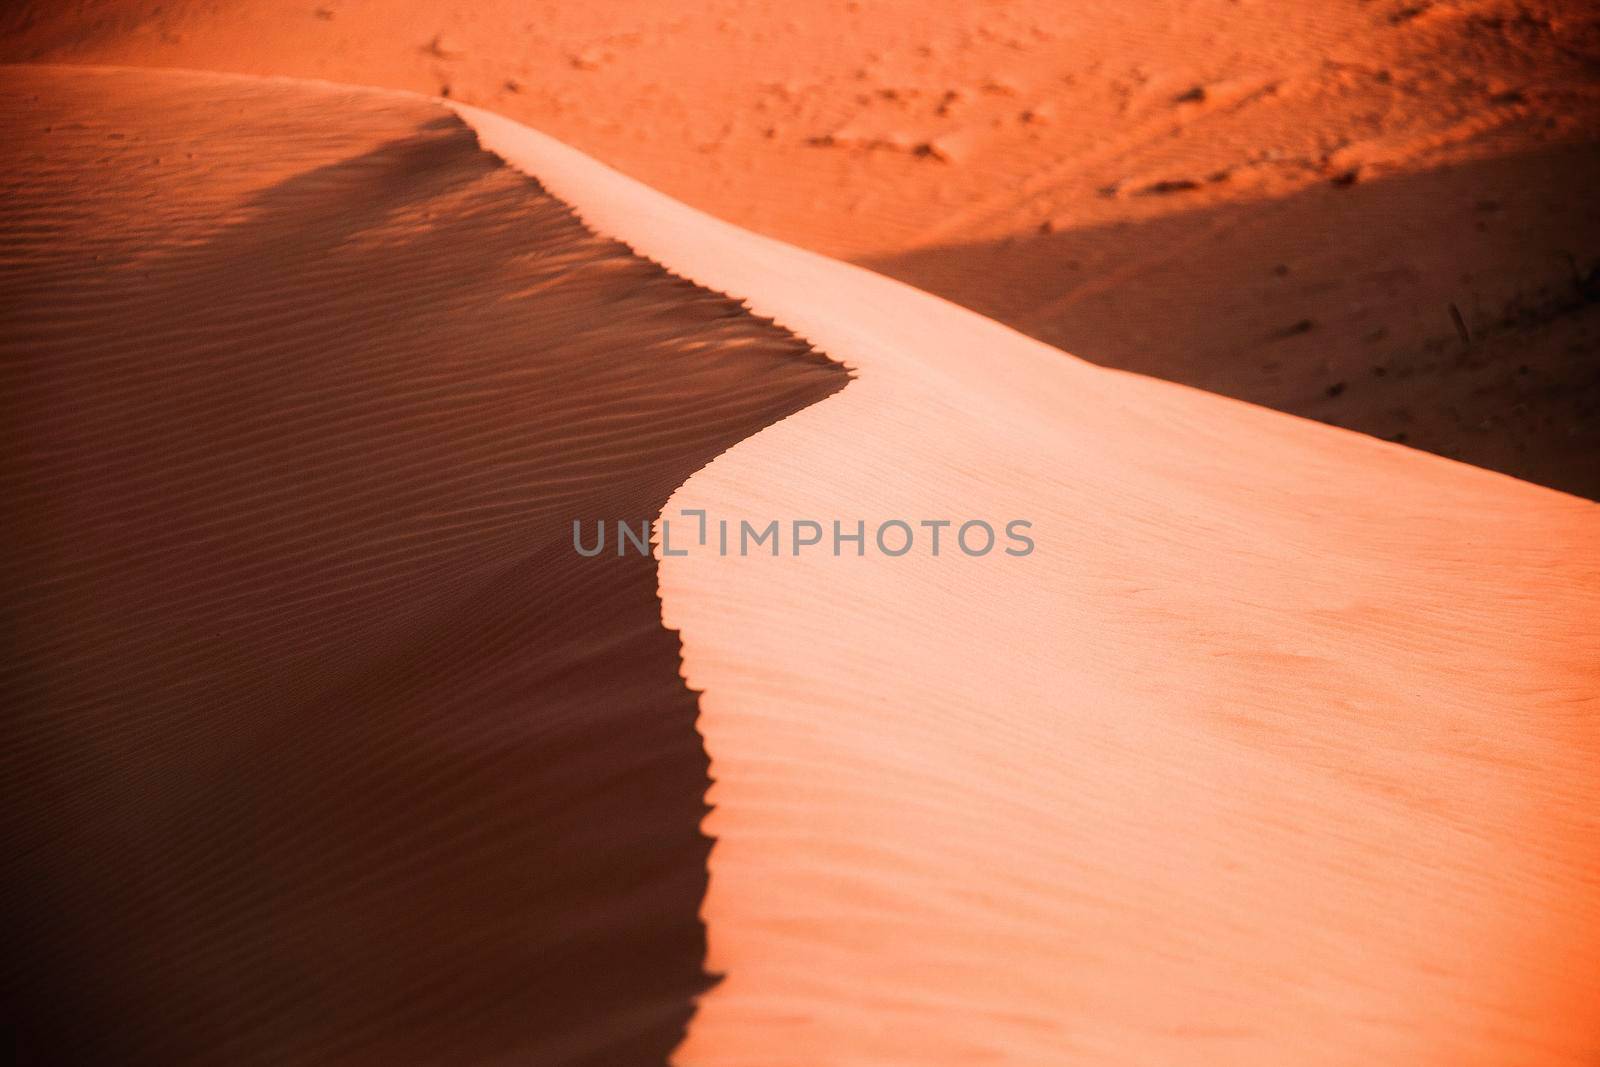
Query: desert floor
[{"x": 1375, "y": 213}]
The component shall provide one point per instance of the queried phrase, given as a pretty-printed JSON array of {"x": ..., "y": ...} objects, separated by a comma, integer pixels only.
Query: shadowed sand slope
[
  {"x": 325, "y": 746},
  {"x": 1279, "y": 748}
]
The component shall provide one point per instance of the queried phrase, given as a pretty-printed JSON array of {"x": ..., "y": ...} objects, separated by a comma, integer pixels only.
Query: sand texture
[
  {"x": 324, "y": 745},
  {"x": 1289, "y": 202}
]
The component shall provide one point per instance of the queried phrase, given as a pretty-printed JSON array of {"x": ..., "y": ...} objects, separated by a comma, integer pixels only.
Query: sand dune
[
  {"x": 1278, "y": 748},
  {"x": 326, "y": 747}
]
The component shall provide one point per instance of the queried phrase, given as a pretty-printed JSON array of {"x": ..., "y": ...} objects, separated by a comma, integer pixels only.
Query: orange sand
[
  {"x": 1280, "y": 201},
  {"x": 1279, "y": 748},
  {"x": 327, "y": 747}
]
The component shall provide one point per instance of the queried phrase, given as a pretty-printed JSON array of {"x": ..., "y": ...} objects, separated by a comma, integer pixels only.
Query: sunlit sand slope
[
  {"x": 1279, "y": 748},
  {"x": 323, "y": 745}
]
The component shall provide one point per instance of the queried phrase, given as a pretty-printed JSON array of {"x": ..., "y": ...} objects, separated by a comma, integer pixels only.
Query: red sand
[
  {"x": 1280, "y": 748},
  {"x": 1277, "y": 201},
  {"x": 327, "y": 747}
]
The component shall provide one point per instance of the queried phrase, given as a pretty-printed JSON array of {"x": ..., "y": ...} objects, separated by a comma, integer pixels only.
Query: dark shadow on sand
[
  {"x": 326, "y": 746},
  {"x": 1456, "y": 310}
]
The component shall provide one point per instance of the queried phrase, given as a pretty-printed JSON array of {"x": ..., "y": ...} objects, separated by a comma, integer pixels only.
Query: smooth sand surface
[
  {"x": 1279, "y": 747},
  {"x": 1285, "y": 201}
]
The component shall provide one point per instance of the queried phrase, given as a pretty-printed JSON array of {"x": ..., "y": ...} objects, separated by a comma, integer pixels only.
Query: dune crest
[{"x": 1278, "y": 749}]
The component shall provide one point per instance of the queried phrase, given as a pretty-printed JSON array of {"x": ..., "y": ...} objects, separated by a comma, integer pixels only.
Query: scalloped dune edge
[{"x": 1278, "y": 748}]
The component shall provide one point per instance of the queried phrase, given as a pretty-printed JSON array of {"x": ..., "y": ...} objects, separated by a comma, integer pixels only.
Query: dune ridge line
[{"x": 1284, "y": 722}]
